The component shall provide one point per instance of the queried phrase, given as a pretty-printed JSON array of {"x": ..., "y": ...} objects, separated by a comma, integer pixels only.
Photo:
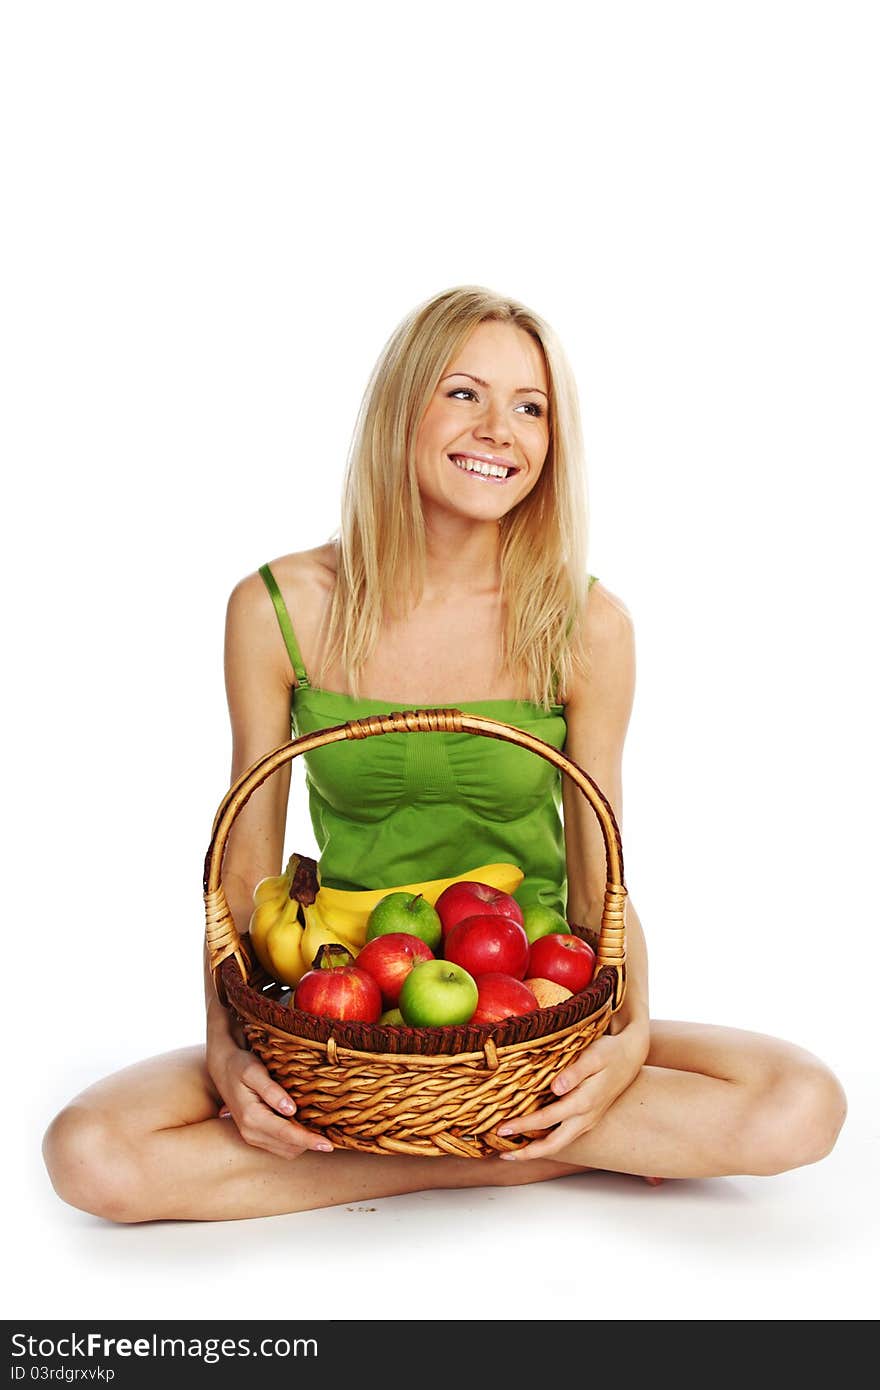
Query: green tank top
[{"x": 405, "y": 808}]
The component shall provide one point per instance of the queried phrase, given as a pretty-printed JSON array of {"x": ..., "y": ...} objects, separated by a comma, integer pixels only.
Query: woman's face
[{"x": 490, "y": 407}]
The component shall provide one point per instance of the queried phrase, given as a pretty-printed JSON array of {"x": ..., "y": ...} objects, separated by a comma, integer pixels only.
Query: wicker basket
[{"x": 421, "y": 1091}]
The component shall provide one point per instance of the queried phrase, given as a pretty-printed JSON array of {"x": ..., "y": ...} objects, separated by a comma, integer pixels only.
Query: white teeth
[{"x": 488, "y": 470}]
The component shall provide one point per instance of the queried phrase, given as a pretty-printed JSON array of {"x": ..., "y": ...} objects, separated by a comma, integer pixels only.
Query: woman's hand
[
  {"x": 587, "y": 1087},
  {"x": 261, "y": 1108}
]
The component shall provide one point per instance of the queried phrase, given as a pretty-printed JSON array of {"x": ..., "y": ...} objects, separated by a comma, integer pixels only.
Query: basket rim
[
  {"x": 407, "y": 1059},
  {"x": 253, "y": 1006}
]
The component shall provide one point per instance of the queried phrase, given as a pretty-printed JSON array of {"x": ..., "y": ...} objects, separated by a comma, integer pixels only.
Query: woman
[{"x": 446, "y": 586}]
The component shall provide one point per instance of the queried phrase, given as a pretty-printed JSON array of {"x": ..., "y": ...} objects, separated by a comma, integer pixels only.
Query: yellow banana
[
  {"x": 317, "y": 934},
  {"x": 267, "y": 916},
  {"x": 344, "y": 914},
  {"x": 274, "y": 908},
  {"x": 284, "y": 948},
  {"x": 277, "y": 884},
  {"x": 269, "y": 888}
]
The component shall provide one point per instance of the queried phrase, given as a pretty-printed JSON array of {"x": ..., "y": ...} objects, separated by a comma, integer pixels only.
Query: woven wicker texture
[{"x": 422, "y": 1091}]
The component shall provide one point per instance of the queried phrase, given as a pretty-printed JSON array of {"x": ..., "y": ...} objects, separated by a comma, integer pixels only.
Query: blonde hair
[{"x": 381, "y": 538}]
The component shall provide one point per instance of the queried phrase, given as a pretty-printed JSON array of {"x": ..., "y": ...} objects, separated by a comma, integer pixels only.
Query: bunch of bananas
[
  {"x": 286, "y": 935},
  {"x": 275, "y": 926}
]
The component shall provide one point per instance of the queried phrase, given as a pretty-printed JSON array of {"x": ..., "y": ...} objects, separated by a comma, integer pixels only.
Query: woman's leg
[
  {"x": 713, "y": 1101},
  {"x": 146, "y": 1144}
]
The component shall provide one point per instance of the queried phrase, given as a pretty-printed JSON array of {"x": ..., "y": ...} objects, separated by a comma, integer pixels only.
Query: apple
[
  {"x": 437, "y": 994},
  {"x": 390, "y": 958},
  {"x": 501, "y": 996},
  {"x": 547, "y": 992},
  {"x": 486, "y": 943},
  {"x": 468, "y": 898},
  {"x": 540, "y": 920},
  {"x": 409, "y": 913},
  {"x": 393, "y": 1016},
  {"x": 566, "y": 960},
  {"x": 339, "y": 991}
]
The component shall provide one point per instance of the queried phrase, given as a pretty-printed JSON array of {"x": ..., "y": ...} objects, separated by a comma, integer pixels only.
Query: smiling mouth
[{"x": 484, "y": 472}]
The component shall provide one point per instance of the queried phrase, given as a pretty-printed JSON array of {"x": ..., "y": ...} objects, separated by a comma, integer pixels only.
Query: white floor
[{"x": 799, "y": 1246}]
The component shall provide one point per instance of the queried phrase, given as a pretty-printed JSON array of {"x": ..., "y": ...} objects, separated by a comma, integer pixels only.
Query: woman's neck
[{"x": 462, "y": 561}]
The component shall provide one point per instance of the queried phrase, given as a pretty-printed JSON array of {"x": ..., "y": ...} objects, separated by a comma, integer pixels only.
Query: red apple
[
  {"x": 487, "y": 943},
  {"x": 339, "y": 991},
  {"x": 389, "y": 959},
  {"x": 468, "y": 898},
  {"x": 501, "y": 996},
  {"x": 566, "y": 960}
]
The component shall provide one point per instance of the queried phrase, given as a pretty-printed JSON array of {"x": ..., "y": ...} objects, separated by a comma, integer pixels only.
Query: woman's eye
[{"x": 532, "y": 406}]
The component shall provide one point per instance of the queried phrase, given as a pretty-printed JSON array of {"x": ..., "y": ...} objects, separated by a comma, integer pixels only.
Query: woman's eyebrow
[{"x": 480, "y": 382}]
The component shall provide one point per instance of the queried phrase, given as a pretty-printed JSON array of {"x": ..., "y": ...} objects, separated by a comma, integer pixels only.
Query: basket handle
[{"x": 222, "y": 935}]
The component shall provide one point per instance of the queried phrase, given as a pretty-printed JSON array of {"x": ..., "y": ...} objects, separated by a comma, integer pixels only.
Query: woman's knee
[
  {"x": 799, "y": 1117},
  {"x": 92, "y": 1164}
]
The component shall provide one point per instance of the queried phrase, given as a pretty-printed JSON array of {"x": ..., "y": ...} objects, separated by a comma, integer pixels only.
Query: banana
[
  {"x": 264, "y": 918},
  {"x": 344, "y": 914},
  {"x": 275, "y": 912},
  {"x": 276, "y": 885},
  {"x": 284, "y": 947},
  {"x": 269, "y": 888},
  {"x": 317, "y": 933}
]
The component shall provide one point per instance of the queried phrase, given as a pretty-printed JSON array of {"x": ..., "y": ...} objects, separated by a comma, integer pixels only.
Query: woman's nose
[{"x": 494, "y": 424}]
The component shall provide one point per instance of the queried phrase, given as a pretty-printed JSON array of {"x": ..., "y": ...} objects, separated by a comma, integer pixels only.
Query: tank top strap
[{"x": 286, "y": 625}]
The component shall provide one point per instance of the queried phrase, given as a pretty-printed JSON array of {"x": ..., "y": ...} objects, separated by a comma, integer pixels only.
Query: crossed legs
[{"x": 146, "y": 1143}]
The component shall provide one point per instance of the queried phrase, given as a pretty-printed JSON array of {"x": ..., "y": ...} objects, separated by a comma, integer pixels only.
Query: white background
[{"x": 215, "y": 215}]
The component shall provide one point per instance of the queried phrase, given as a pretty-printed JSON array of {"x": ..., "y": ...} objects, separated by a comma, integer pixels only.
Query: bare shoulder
[
  {"x": 305, "y": 579},
  {"x": 609, "y": 641},
  {"x": 313, "y": 569},
  {"x": 607, "y": 616}
]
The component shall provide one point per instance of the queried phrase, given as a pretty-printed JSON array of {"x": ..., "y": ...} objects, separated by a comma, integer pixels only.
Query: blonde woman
[{"x": 458, "y": 578}]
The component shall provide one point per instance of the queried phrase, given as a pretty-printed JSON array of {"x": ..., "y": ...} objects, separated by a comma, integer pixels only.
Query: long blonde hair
[{"x": 381, "y": 539}]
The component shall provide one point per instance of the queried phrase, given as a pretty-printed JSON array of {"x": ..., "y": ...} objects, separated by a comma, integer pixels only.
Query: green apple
[
  {"x": 405, "y": 912},
  {"x": 437, "y": 994},
  {"x": 540, "y": 920},
  {"x": 392, "y": 1016}
]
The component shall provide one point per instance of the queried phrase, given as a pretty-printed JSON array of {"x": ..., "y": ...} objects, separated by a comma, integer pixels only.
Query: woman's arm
[
  {"x": 633, "y": 1012},
  {"x": 258, "y": 682},
  {"x": 597, "y": 712},
  {"x": 259, "y": 710}
]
